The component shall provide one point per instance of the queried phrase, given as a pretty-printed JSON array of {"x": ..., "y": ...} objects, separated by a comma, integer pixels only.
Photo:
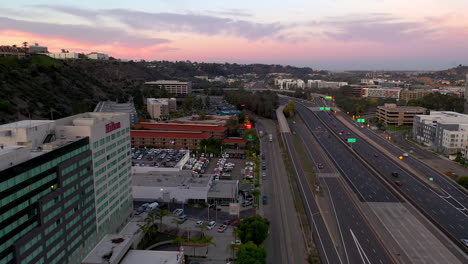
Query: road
[
  {"x": 286, "y": 243},
  {"x": 358, "y": 243},
  {"x": 451, "y": 217}
]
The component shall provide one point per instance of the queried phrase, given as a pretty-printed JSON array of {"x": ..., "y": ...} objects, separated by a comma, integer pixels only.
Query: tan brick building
[{"x": 393, "y": 115}]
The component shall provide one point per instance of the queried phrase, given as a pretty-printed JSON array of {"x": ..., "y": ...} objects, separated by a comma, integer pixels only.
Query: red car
[
  {"x": 398, "y": 183},
  {"x": 222, "y": 228}
]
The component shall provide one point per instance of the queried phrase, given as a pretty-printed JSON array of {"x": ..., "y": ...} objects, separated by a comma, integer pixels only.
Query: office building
[
  {"x": 381, "y": 92},
  {"x": 324, "y": 84},
  {"x": 393, "y": 115},
  {"x": 444, "y": 131},
  {"x": 160, "y": 108},
  {"x": 47, "y": 212},
  {"x": 176, "y": 88},
  {"x": 109, "y": 137},
  {"x": 114, "y": 107},
  {"x": 408, "y": 95}
]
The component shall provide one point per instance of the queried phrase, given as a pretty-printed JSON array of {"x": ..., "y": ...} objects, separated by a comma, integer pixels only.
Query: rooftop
[
  {"x": 110, "y": 106},
  {"x": 26, "y": 123},
  {"x": 183, "y": 178},
  {"x": 113, "y": 245},
  {"x": 168, "y": 134},
  {"x": 167, "y": 82},
  {"x": 390, "y": 107},
  {"x": 223, "y": 189},
  {"x": 153, "y": 257},
  {"x": 178, "y": 126}
]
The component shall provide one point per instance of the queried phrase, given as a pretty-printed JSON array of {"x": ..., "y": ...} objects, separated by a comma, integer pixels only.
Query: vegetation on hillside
[
  {"x": 261, "y": 103},
  {"x": 436, "y": 101}
]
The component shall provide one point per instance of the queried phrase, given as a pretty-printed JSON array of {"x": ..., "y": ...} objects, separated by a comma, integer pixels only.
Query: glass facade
[{"x": 47, "y": 212}]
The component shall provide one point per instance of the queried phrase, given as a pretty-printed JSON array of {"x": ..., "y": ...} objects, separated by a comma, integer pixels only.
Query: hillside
[{"x": 40, "y": 87}]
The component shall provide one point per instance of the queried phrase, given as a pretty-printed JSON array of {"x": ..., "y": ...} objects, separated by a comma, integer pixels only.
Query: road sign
[
  {"x": 431, "y": 179},
  {"x": 322, "y": 108},
  {"x": 234, "y": 208},
  {"x": 351, "y": 140},
  {"x": 250, "y": 137},
  {"x": 361, "y": 120},
  {"x": 328, "y": 108},
  {"x": 328, "y": 97}
]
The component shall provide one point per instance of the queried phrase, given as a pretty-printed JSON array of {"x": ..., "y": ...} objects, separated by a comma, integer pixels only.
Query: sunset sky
[{"x": 322, "y": 34}]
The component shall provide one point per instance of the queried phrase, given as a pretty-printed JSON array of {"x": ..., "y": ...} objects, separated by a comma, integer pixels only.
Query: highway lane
[
  {"x": 321, "y": 237},
  {"x": 358, "y": 242},
  {"x": 450, "y": 218},
  {"x": 286, "y": 243}
]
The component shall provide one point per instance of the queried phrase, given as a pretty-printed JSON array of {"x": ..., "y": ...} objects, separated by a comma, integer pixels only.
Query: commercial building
[
  {"x": 176, "y": 88},
  {"x": 215, "y": 130},
  {"x": 167, "y": 139},
  {"x": 324, "y": 84},
  {"x": 64, "y": 55},
  {"x": 159, "y": 108},
  {"x": 393, "y": 115},
  {"x": 97, "y": 56},
  {"x": 408, "y": 95},
  {"x": 114, "y": 107},
  {"x": 109, "y": 137},
  {"x": 381, "y": 92},
  {"x": 47, "y": 212},
  {"x": 444, "y": 131},
  {"x": 168, "y": 185}
]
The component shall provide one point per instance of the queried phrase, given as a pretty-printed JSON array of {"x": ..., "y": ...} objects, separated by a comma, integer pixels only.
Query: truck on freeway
[{"x": 270, "y": 137}]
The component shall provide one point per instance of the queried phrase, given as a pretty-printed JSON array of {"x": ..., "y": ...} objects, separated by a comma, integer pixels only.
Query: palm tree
[
  {"x": 160, "y": 214},
  {"x": 25, "y": 44}
]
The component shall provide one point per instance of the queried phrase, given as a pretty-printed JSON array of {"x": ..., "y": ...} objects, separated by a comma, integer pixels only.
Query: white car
[
  {"x": 211, "y": 225},
  {"x": 199, "y": 223},
  {"x": 178, "y": 212}
]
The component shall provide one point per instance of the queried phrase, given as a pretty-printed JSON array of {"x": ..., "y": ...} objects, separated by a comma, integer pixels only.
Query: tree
[
  {"x": 249, "y": 253},
  {"x": 207, "y": 102},
  {"x": 254, "y": 229},
  {"x": 25, "y": 44},
  {"x": 160, "y": 214},
  {"x": 463, "y": 181}
]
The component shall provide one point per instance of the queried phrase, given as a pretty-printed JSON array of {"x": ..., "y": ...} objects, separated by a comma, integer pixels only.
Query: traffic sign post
[
  {"x": 361, "y": 120},
  {"x": 350, "y": 141}
]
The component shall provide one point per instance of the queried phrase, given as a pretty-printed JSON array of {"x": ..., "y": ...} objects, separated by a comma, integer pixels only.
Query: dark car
[
  {"x": 320, "y": 166},
  {"x": 376, "y": 155},
  {"x": 395, "y": 174},
  {"x": 265, "y": 199}
]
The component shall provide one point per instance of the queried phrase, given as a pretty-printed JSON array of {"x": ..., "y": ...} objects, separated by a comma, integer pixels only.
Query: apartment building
[
  {"x": 159, "y": 108},
  {"x": 393, "y": 115},
  {"x": 444, "y": 131},
  {"x": 408, "y": 95},
  {"x": 64, "y": 55},
  {"x": 176, "y": 88},
  {"x": 324, "y": 84},
  {"x": 97, "y": 56},
  {"x": 109, "y": 137},
  {"x": 47, "y": 212}
]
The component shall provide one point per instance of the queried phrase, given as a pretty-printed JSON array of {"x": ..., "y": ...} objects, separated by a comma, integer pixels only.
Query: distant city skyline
[{"x": 332, "y": 35}]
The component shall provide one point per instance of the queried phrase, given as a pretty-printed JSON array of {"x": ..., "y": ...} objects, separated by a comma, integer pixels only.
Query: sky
[{"x": 322, "y": 34}]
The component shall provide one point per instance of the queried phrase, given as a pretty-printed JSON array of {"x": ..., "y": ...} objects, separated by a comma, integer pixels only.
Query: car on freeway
[
  {"x": 211, "y": 225},
  {"x": 398, "y": 183},
  {"x": 320, "y": 166},
  {"x": 265, "y": 199},
  {"x": 376, "y": 155},
  {"x": 222, "y": 228},
  {"x": 199, "y": 222},
  {"x": 465, "y": 241},
  {"x": 395, "y": 174}
]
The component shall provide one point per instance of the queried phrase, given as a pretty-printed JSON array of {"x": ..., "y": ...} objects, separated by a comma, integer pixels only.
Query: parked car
[
  {"x": 211, "y": 225},
  {"x": 222, "y": 228},
  {"x": 199, "y": 222},
  {"x": 178, "y": 212},
  {"x": 265, "y": 199},
  {"x": 182, "y": 218},
  {"x": 247, "y": 203}
]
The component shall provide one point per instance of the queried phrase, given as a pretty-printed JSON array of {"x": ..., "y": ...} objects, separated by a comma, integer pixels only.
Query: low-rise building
[
  {"x": 324, "y": 84},
  {"x": 381, "y": 92},
  {"x": 176, "y": 88},
  {"x": 35, "y": 49},
  {"x": 444, "y": 131},
  {"x": 97, "y": 56},
  {"x": 159, "y": 108},
  {"x": 215, "y": 130},
  {"x": 13, "y": 51},
  {"x": 167, "y": 139},
  {"x": 64, "y": 55},
  {"x": 408, "y": 95},
  {"x": 393, "y": 115}
]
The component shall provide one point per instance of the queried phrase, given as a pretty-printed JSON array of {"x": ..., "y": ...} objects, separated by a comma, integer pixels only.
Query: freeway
[
  {"x": 358, "y": 243},
  {"x": 449, "y": 217}
]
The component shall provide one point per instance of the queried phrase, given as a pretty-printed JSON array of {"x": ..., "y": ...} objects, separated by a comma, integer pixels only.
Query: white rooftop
[
  {"x": 153, "y": 257},
  {"x": 26, "y": 123},
  {"x": 166, "y": 82},
  {"x": 181, "y": 178}
]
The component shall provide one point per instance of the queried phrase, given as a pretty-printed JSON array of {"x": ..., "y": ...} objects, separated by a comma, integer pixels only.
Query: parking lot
[{"x": 167, "y": 158}]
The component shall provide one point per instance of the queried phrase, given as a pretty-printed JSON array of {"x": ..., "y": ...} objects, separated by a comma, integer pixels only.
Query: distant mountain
[{"x": 40, "y": 87}]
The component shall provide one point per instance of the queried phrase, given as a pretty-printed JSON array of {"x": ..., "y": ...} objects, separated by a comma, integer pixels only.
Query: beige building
[
  {"x": 175, "y": 88},
  {"x": 393, "y": 115},
  {"x": 97, "y": 56},
  {"x": 414, "y": 94},
  {"x": 159, "y": 108},
  {"x": 64, "y": 55}
]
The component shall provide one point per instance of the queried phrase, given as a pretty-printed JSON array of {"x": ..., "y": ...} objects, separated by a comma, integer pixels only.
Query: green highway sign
[
  {"x": 351, "y": 140},
  {"x": 328, "y": 108},
  {"x": 431, "y": 179},
  {"x": 322, "y": 108},
  {"x": 250, "y": 137},
  {"x": 362, "y": 120},
  {"x": 328, "y": 97}
]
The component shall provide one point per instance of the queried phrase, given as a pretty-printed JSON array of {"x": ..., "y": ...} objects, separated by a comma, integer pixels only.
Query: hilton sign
[{"x": 112, "y": 126}]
